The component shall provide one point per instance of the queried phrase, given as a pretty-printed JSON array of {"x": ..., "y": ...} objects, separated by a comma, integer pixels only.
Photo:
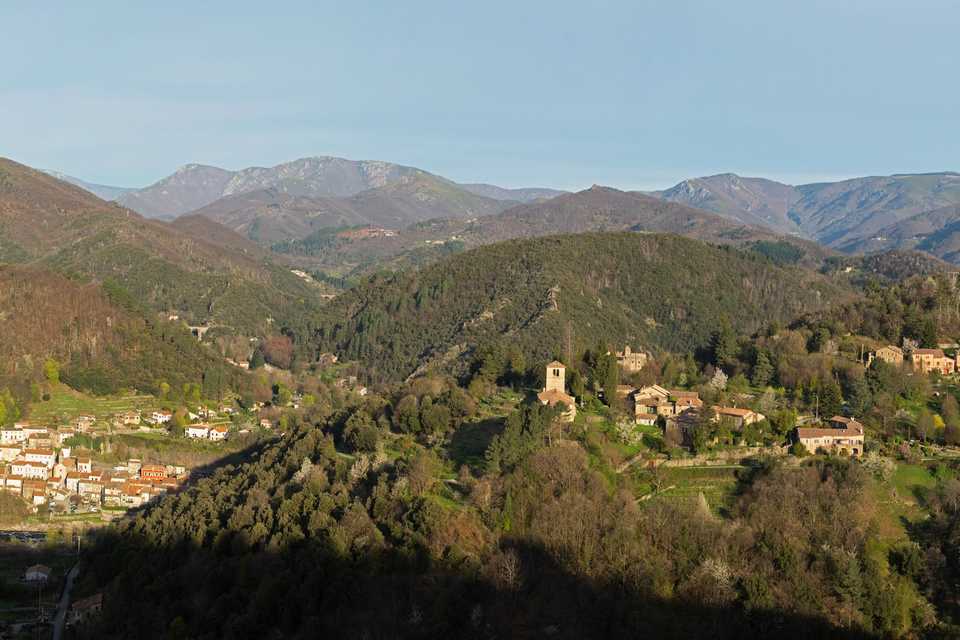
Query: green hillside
[
  {"x": 549, "y": 294},
  {"x": 61, "y": 227},
  {"x": 102, "y": 340}
]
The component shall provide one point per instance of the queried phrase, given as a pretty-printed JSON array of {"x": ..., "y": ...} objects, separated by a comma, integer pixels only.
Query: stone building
[
  {"x": 631, "y": 361},
  {"x": 555, "y": 391}
]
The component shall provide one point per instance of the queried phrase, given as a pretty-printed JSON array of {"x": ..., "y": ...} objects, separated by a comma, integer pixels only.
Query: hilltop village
[
  {"x": 680, "y": 414},
  {"x": 48, "y": 467}
]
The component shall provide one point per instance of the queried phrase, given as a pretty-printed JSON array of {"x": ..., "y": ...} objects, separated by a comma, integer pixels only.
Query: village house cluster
[
  {"x": 37, "y": 464},
  {"x": 922, "y": 360},
  {"x": 680, "y": 410}
]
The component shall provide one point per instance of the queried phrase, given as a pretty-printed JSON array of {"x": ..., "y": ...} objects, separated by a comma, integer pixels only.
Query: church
[{"x": 555, "y": 391}]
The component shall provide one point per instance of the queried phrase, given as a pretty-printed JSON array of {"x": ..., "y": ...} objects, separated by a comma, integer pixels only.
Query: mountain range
[
  {"x": 842, "y": 215},
  {"x": 290, "y": 201},
  {"x": 50, "y": 224},
  {"x": 601, "y": 256},
  {"x": 598, "y": 209},
  {"x": 317, "y": 183},
  {"x": 102, "y": 191}
]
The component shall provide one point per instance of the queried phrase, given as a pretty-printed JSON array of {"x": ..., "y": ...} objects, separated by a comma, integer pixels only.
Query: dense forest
[
  {"x": 564, "y": 294},
  {"x": 98, "y": 338},
  {"x": 331, "y": 530}
]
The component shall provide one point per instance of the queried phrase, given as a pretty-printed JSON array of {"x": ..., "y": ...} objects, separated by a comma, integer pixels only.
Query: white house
[
  {"x": 9, "y": 452},
  {"x": 161, "y": 417},
  {"x": 201, "y": 431},
  {"x": 10, "y": 436},
  {"x": 219, "y": 432},
  {"x": 73, "y": 479},
  {"x": 30, "y": 470},
  {"x": 44, "y": 456},
  {"x": 37, "y": 573}
]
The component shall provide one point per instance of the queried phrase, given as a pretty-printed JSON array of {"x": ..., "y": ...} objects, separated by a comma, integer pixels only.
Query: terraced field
[{"x": 65, "y": 404}]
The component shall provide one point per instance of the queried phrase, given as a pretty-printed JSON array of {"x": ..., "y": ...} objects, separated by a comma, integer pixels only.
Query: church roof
[
  {"x": 554, "y": 396},
  {"x": 555, "y": 364}
]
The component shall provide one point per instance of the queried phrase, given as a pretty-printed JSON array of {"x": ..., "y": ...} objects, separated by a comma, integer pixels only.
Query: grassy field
[
  {"x": 898, "y": 500},
  {"x": 717, "y": 484},
  {"x": 65, "y": 404},
  {"x": 500, "y": 404}
]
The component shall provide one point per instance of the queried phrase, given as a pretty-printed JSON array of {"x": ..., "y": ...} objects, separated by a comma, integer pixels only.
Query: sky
[{"x": 633, "y": 94}]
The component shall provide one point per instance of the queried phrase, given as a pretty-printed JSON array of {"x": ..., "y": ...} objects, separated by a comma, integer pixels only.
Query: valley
[{"x": 416, "y": 399}]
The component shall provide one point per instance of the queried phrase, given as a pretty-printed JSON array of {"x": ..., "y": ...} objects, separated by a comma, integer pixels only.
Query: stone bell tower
[{"x": 556, "y": 377}]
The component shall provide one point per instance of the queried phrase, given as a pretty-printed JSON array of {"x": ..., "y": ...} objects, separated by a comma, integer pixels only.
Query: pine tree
[
  {"x": 831, "y": 398},
  {"x": 724, "y": 346},
  {"x": 762, "y": 370}
]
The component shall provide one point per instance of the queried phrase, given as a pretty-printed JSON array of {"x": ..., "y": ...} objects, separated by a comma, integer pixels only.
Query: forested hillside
[
  {"x": 60, "y": 226},
  {"x": 564, "y": 294},
  {"x": 295, "y": 539},
  {"x": 95, "y": 338}
]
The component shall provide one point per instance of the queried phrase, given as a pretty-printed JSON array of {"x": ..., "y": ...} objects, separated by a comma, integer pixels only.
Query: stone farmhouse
[
  {"x": 889, "y": 354},
  {"x": 631, "y": 361},
  {"x": 930, "y": 360},
  {"x": 657, "y": 401},
  {"x": 848, "y": 439},
  {"x": 739, "y": 417}
]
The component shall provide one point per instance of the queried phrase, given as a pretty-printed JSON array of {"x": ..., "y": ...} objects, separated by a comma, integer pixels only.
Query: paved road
[{"x": 64, "y": 605}]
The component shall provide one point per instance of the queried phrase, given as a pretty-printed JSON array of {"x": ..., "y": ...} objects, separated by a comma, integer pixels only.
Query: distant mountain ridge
[
  {"x": 102, "y": 191},
  {"x": 524, "y": 194},
  {"x": 842, "y": 215},
  {"x": 195, "y": 186},
  {"x": 598, "y": 209},
  {"x": 269, "y": 216},
  {"x": 756, "y": 201},
  {"x": 296, "y": 198}
]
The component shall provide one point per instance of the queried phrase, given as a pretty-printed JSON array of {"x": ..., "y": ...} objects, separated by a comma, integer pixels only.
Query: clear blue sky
[{"x": 635, "y": 94}]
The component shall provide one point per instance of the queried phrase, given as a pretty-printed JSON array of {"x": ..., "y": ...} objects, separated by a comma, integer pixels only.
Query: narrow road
[{"x": 64, "y": 605}]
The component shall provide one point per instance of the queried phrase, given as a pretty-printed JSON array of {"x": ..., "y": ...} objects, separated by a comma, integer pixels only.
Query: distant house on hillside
[
  {"x": 9, "y": 452},
  {"x": 37, "y": 573},
  {"x": 129, "y": 418},
  {"x": 740, "y": 417},
  {"x": 30, "y": 470},
  {"x": 646, "y": 419},
  {"x": 631, "y": 361},
  {"x": 153, "y": 472},
  {"x": 218, "y": 433},
  {"x": 889, "y": 354},
  {"x": 657, "y": 400},
  {"x": 13, "y": 435},
  {"x": 930, "y": 360},
  {"x": 161, "y": 417},
  {"x": 199, "y": 431},
  {"x": 848, "y": 440}
]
